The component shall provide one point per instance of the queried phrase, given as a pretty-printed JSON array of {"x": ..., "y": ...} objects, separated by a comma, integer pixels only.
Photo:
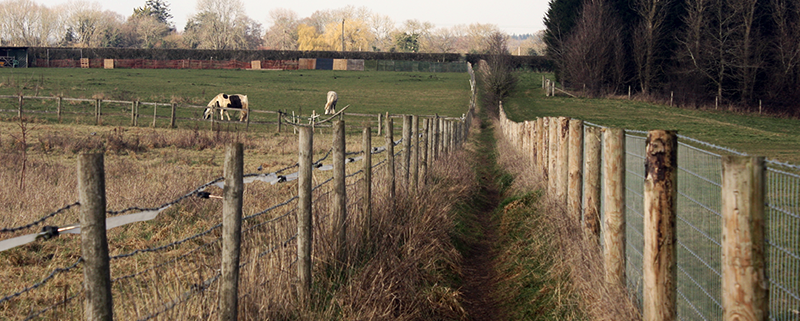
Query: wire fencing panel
[
  {"x": 634, "y": 212},
  {"x": 783, "y": 244}
]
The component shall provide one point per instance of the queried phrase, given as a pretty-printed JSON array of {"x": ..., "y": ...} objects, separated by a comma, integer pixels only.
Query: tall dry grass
[
  {"x": 402, "y": 271},
  {"x": 571, "y": 261}
]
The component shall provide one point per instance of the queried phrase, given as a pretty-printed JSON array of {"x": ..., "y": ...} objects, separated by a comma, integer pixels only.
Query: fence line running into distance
[
  {"x": 422, "y": 146},
  {"x": 618, "y": 194}
]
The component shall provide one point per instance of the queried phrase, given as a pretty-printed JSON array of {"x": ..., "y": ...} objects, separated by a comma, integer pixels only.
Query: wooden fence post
[
  {"x": 339, "y": 190},
  {"x": 304, "y": 224},
  {"x": 231, "y": 231},
  {"x": 280, "y": 120},
  {"x": 591, "y": 186},
  {"x": 614, "y": 204},
  {"x": 745, "y": 289},
  {"x": 94, "y": 242},
  {"x": 575, "y": 179},
  {"x": 19, "y": 112},
  {"x": 434, "y": 144},
  {"x": 414, "y": 153},
  {"x": 380, "y": 124},
  {"x": 562, "y": 159},
  {"x": 423, "y": 149},
  {"x": 390, "y": 160},
  {"x": 172, "y": 116},
  {"x": 58, "y": 108},
  {"x": 545, "y": 164},
  {"x": 133, "y": 113},
  {"x": 407, "y": 152},
  {"x": 553, "y": 136},
  {"x": 155, "y": 108},
  {"x": 366, "y": 207},
  {"x": 660, "y": 269},
  {"x": 97, "y": 119}
]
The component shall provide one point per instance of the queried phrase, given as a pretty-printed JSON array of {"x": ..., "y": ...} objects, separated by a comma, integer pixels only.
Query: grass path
[{"x": 479, "y": 271}]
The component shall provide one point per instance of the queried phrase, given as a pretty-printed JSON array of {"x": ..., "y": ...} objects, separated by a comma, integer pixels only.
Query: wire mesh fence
[{"x": 699, "y": 227}]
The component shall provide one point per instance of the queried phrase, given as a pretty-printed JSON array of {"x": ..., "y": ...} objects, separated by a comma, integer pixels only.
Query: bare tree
[
  {"x": 593, "y": 52},
  {"x": 222, "y": 24},
  {"x": 382, "y": 26},
  {"x": 496, "y": 76},
  {"x": 649, "y": 37},
  {"x": 25, "y": 23},
  {"x": 283, "y": 32},
  {"x": 786, "y": 71}
]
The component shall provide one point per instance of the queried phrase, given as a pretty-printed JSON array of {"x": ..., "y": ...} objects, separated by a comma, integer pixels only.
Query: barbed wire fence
[
  {"x": 181, "y": 279},
  {"x": 699, "y": 219}
]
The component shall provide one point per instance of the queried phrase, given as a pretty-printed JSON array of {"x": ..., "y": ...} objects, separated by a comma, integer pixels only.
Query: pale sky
[{"x": 511, "y": 16}]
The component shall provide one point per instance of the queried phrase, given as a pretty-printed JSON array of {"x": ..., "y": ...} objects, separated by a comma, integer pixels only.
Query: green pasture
[
  {"x": 368, "y": 92},
  {"x": 775, "y": 138}
]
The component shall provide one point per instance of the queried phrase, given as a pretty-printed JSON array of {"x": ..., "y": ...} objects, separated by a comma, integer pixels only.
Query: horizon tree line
[{"x": 744, "y": 53}]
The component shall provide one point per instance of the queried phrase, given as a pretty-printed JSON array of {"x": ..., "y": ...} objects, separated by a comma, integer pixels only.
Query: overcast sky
[{"x": 512, "y": 17}]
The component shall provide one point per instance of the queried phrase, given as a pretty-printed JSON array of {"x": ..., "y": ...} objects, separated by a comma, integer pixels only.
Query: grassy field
[
  {"x": 775, "y": 138},
  {"x": 366, "y": 92},
  {"x": 146, "y": 167}
]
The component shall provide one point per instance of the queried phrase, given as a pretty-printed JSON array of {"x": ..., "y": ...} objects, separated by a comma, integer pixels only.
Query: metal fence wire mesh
[{"x": 699, "y": 232}]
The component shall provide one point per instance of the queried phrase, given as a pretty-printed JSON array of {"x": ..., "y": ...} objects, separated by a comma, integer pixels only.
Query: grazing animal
[
  {"x": 228, "y": 101},
  {"x": 330, "y": 106}
]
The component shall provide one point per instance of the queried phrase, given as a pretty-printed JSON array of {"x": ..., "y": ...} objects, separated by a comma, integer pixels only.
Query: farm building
[{"x": 14, "y": 57}]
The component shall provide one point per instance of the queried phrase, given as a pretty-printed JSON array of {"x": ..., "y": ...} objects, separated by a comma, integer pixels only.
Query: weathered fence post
[
  {"x": 423, "y": 149},
  {"x": 390, "y": 160},
  {"x": 94, "y": 242},
  {"x": 553, "y": 136},
  {"x": 58, "y": 109},
  {"x": 545, "y": 164},
  {"x": 136, "y": 115},
  {"x": 562, "y": 159},
  {"x": 155, "y": 108},
  {"x": 660, "y": 269},
  {"x": 366, "y": 207},
  {"x": 591, "y": 185},
  {"x": 575, "y": 179},
  {"x": 407, "y": 152},
  {"x": 304, "y": 227},
  {"x": 280, "y": 120},
  {"x": 97, "y": 119},
  {"x": 133, "y": 113},
  {"x": 172, "y": 115},
  {"x": 414, "y": 153},
  {"x": 434, "y": 144},
  {"x": 614, "y": 204},
  {"x": 231, "y": 231},
  {"x": 380, "y": 124},
  {"x": 19, "y": 112},
  {"x": 339, "y": 190},
  {"x": 745, "y": 289}
]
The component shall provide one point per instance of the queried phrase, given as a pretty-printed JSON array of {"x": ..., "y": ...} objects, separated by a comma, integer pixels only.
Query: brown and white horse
[{"x": 236, "y": 101}]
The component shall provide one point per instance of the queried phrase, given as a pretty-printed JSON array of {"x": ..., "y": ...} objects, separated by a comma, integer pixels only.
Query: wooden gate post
[
  {"x": 366, "y": 199},
  {"x": 660, "y": 269},
  {"x": 591, "y": 186},
  {"x": 614, "y": 204},
  {"x": 339, "y": 190},
  {"x": 575, "y": 179},
  {"x": 231, "y": 231},
  {"x": 304, "y": 223},
  {"x": 390, "y": 160},
  {"x": 745, "y": 288},
  {"x": 94, "y": 241}
]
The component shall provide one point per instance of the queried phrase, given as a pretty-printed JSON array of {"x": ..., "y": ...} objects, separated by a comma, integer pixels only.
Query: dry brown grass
[
  {"x": 401, "y": 272},
  {"x": 573, "y": 263}
]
